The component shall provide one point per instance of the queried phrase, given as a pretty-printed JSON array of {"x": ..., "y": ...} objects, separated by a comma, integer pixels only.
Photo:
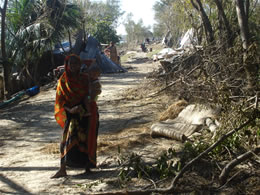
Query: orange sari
[{"x": 79, "y": 140}]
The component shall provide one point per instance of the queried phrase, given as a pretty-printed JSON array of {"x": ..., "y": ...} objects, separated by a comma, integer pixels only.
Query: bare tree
[
  {"x": 242, "y": 17},
  {"x": 205, "y": 19},
  {"x": 242, "y": 9},
  {"x": 222, "y": 17}
]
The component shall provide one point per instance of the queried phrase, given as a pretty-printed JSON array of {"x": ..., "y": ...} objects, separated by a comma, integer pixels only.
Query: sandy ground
[{"x": 29, "y": 135}]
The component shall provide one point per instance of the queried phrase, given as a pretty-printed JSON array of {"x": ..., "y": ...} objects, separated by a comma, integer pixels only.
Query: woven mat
[{"x": 190, "y": 120}]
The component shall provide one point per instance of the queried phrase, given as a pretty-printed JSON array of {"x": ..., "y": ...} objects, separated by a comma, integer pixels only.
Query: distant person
[
  {"x": 165, "y": 41},
  {"x": 143, "y": 47},
  {"x": 111, "y": 49},
  {"x": 78, "y": 145},
  {"x": 106, "y": 51}
]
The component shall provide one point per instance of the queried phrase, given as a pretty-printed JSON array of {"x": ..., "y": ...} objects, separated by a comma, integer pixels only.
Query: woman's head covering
[{"x": 73, "y": 58}]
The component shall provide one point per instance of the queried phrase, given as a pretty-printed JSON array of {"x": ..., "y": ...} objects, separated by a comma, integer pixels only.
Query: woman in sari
[
  {"x": 112, "y": 51},
  {"x": 79, "y": 138}
]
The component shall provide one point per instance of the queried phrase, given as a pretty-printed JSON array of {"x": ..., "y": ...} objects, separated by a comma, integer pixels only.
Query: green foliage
[
  {"x": 173, "y": 16},
  {"x": 136, "y": 32},
  {"x": 254, "y": 22},
  {"x": 132, "y": 166},
  {"x": 21, "y": 13},
  {"x": 239, "y": 142},
  {"x": 109, "y": 9},
  {"x": 159, "y": 30},
  {"x": 105, "y": 33},
  {"x": 167, "y": 165},
  {"x": 234, "y": 115},
  {"x": 100, "y": 19},
  {"x": 230, "y": 144},
  {"x": 35, "y": 26},
  {"x": 63, "y": 17}
]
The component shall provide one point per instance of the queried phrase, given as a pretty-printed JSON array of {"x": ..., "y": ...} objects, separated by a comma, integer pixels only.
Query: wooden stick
[
  {"x": 189, "y": 164},
  {"x": 225, "y": 172}
]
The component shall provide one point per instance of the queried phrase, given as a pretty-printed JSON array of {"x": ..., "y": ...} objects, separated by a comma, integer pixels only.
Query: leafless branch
[{"x": 225, "y": 172}]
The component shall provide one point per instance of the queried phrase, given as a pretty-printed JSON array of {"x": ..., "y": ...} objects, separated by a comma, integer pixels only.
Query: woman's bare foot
[
  {"x": 87, "y": 170},
  {"x": 60, "y": 173}
]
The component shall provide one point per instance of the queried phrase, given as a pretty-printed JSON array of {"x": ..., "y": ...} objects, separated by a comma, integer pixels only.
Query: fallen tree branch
[
  {"x": 223, "y": 186},
  {"x": 174, "y": 82},
  {"x": 225, "y": 172},
  {"x": 189, "y": 164},
  {"x": 156, "y": 182},
  {"x": 171, "y": 84},
  {"x": 171, "y": 189}
]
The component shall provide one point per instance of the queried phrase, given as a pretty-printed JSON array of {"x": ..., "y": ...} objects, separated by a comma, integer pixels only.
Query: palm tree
[{"x": 33, "y": 28}]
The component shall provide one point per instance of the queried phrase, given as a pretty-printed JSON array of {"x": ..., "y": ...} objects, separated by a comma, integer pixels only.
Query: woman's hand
[{"x": 73, "y": 110}]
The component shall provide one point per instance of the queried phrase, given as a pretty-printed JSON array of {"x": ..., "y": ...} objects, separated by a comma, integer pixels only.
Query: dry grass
[
  {"x": 173, "y": 110},
  {"x": 109, "y": 143},
  {"x": 52, "y": 148},
  {"x": 125, "y": 139}
]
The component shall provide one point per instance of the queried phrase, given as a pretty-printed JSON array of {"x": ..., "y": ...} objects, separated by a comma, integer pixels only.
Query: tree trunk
[
  {"x": 6, "y": 65},
  {"x": 3, "y": 13},
  {"x": 243, "y": 24},
  {"x": 206, "y": 23},
  {"x": 70, "y": 40},
  {"x": 250, "y": 68},
  {"x": 229, "y": 34},
  {"x": 247, "y": 5},
  {"x": 2, "y": 83}
]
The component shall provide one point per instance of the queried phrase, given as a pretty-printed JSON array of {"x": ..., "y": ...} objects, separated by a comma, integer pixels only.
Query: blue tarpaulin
[
  {"x": 31, "y": 92},
  {"x": 92, "y": 51}
]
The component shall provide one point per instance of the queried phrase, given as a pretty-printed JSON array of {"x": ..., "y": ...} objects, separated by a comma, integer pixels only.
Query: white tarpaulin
[
  {"x": 188, "y": 39},
  {"x": 165, "y": 53}
]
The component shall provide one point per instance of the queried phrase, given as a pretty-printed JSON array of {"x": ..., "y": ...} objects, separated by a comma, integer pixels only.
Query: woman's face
[{"x": 74, "y": 67}]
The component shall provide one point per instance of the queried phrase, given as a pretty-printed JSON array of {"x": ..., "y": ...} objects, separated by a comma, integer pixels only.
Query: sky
[{"x": 141, "y": 9}]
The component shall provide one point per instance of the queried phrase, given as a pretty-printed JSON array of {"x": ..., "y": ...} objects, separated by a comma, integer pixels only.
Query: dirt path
[{"x": 29, "y": 135}]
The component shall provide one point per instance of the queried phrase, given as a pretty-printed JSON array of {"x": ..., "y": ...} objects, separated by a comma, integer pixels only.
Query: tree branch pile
[
  {"x": 205, "y": 75},
  {"x": 217, "y": 76},
  {"x": 214, "y": 75}
]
